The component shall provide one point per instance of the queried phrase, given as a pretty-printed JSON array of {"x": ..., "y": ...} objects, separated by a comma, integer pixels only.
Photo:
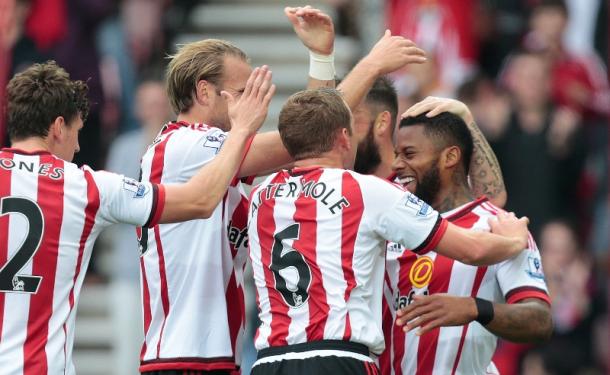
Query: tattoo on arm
[
  {"x": 527, "y": 321},
  {"x": 485, "y": 174}
]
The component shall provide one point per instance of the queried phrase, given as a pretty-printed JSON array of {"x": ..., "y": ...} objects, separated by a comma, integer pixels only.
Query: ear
[
  {"x": 383, "y": 123},
  {"x": 202, "y": 92},
  {"x": 57, "y": 130},
  {"x": 344, "y": 140},
  {"x": 450, "y": 157}
]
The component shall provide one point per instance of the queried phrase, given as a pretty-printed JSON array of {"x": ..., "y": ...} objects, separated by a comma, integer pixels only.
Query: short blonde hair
[{"x": 193, "y": 62}]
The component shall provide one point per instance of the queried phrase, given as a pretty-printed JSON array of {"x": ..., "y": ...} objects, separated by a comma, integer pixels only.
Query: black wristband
[{"x": 485, "y": 311}]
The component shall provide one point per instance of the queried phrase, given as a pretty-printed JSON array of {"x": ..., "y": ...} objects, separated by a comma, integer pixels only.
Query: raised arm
[
  {"x": 485, "y": 174},
  {"x": 316, "y": 31},
  {"x": 201, "y": 194},
  {"x": 527, "y": 321},
  {"x": 482, "y": 248},
  {"x": 389, "y": 54}
]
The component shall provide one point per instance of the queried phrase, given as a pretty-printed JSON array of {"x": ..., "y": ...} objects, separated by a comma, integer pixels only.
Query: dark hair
[
  {"x": 445, "y": 130},
  {"x": 309, "y": 121},
  {"x": 383, "y": 95},
  {"x": 40, "y": 94},
  {"x": 558, "y": 4}
]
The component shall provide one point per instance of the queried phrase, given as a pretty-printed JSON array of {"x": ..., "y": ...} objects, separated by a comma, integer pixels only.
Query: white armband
[{"x": 322, "y": 67}]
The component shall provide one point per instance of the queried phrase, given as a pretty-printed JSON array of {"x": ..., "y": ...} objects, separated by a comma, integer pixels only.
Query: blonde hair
[{"x": 193, "y": 62}]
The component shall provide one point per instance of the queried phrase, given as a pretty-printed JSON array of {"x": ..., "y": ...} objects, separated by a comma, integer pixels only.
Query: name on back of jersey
[
  {"x": 308, "y": 189},
  {"x": 45, "y": 169}
]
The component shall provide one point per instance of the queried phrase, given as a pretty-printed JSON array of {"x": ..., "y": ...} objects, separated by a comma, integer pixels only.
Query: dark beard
[
  {"x": 427, "y": 189},
  {"x": 368, "y": 157}
]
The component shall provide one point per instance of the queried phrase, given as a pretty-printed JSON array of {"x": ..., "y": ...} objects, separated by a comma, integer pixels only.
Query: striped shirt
[
  {"x": 51, "y": 212},
  {"x": 453, "y": 350},
  {"x": 317, "y": 245},
  {"x": 192, "y": 272}
]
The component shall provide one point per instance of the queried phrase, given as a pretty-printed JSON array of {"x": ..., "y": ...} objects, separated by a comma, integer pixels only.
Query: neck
[
  {"x": 196, "y": 115},
  {"x": 327, "y": 160},
  {"x": 453, "y": 194},
  {"x": 32, "y": 144}
]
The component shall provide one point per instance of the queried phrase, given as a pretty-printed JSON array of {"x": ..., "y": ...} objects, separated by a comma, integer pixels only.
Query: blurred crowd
[{"x": 533, "y": 73}]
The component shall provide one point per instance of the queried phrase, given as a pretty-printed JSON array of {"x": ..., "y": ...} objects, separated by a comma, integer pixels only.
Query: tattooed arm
[
  {"x": 485, "y": 175},
  {"x": 528, "y": 320}
]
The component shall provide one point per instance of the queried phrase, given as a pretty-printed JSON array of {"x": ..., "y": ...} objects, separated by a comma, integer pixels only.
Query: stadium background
[{"x": 558, "y": 170}]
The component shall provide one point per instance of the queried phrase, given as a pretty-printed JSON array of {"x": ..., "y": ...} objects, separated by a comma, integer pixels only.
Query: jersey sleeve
[
  {"x": 125, "y": 200},
  {"x": 201, "y": 147},
  {"x": 412, "y": 223},
  {"x": 522, "y": 277}
]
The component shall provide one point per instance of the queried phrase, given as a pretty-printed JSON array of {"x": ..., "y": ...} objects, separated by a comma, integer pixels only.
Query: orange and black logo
[{"x": 421, "y": 272}]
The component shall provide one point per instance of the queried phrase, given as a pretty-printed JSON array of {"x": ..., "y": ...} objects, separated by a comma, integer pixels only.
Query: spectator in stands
[
  {"x": 577, "y": 303},
  {"x": 541, "y": 177}
]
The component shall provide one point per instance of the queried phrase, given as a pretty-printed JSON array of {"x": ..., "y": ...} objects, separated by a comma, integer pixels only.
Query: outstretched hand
[
  {"x": 394, "y": 52},
  {"x": 249, "y": 111},
  {"x": 313, "y": 27}
]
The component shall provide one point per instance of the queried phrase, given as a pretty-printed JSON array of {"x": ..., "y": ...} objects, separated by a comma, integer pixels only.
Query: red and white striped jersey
[
  {"x": 453, "y": 350},
  {"x": 51, "y": 212},
  {"x": 192, "y": 272},
  {"x": 317, "y": 245}
]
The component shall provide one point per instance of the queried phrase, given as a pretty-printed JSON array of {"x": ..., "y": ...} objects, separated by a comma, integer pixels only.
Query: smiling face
[{"x": 417, "y": 162}]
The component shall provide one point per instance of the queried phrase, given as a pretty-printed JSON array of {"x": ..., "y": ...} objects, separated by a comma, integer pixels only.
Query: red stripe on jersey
[
  {"x": 351, "y": 217},
  {"x": 234, "y": 309},
  {"x": 405, "y": 262},
  {"x": 5, "y": 191},
  {"x": 156, "y": 173},
  {"x": 164, "y": 290},
  {"x": 428, "y": 343},
  {"x": 146, "y": 303},
  {"x": 266, "y": 231},
  {"x": 305, "y": 214},
  {"x": 93, "y": 204},
  {"x": 386, "y": 323},
  {"x": 234, "y": 296},
  {"x": 522, "y": 293},
  {"x": 478, "y": 279},
  {"x": 51, "y": 201}
]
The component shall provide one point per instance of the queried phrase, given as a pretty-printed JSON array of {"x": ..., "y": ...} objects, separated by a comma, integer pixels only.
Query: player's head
[
  {"x": 432, "y": 153},
  {"x": 197, "y": 74},
  {"x": 44, "y": 103},
  {"x": 374, "y": 118},
  {"x": 315, "y": 122}
]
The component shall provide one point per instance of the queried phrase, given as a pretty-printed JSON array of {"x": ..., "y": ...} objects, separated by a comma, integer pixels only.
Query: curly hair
[{"x": 39, "y": 95}]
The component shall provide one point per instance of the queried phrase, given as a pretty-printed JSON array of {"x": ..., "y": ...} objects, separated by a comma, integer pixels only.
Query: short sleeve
[
  {"x": 522, "y": 277},
  {"x": 412, "y": 223},
  {"x": 125, "y": 200}
]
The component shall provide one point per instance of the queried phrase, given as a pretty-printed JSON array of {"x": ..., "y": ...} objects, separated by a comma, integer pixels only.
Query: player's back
[
  {"x": 462, "y": 349},
  {"x": 192, "y": 272},
  {"x": 317, "y": 250},
  {"x": 48, "y": 224}
]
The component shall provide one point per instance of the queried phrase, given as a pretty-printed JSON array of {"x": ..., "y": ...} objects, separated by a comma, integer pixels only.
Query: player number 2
[
  {"x": 285, "y": 260},
  {"x": 10, "y": 280}
]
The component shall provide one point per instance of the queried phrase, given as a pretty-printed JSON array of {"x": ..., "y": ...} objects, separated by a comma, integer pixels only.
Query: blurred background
[{"x": 534, "y": 73}]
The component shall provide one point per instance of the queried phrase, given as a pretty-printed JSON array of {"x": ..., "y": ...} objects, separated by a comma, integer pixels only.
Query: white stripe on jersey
[{"x": 15, "y": 322}]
